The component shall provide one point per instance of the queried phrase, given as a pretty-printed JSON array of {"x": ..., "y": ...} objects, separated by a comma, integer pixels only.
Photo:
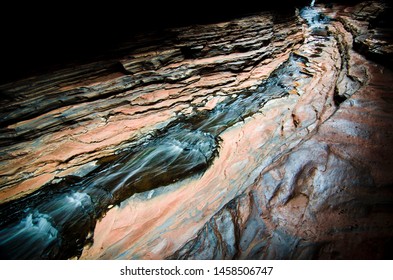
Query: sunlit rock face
[{"x": 263, "y": 137}]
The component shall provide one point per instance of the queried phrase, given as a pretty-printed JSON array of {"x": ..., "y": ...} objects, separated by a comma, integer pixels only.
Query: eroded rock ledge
[{"x": 263, "y": 137}]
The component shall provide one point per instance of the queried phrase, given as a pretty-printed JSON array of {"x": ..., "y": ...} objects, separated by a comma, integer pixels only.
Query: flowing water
[{"x": 58, "y": 220}]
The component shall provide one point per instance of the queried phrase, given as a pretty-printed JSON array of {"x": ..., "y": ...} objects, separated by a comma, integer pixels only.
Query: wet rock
[
  {"x": 53, "y": 125},
  {"x": 331, "y": 196},
  {"x": 100, "y": 130},
  {"x": 265, "y": 137},
  {"x": 371, "y": 25}
]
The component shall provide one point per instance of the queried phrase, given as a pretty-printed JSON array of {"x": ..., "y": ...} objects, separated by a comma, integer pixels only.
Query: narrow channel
[{"x": 58, "y": 220}]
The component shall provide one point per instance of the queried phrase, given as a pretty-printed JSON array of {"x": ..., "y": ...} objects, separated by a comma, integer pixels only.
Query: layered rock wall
[{"x": 267, "y": 137}]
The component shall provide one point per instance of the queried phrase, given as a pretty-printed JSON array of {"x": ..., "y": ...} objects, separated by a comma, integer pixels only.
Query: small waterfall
[
  {"x": 28, "y": 238},
  {"x": 312, "y": 3}
]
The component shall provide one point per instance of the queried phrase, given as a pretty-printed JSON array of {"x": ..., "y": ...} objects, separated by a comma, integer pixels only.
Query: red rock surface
[{"x": 307, "y": 176}]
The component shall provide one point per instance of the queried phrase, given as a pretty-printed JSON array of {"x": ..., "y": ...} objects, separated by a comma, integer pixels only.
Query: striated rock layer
[{"x": 267, "y": 137}]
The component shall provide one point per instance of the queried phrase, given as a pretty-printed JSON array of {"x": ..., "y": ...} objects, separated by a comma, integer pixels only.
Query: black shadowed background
[{"x": 37, "y": 38}]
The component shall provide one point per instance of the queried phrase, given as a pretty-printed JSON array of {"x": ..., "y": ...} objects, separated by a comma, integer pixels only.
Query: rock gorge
[{"x": 266, "y": 136}]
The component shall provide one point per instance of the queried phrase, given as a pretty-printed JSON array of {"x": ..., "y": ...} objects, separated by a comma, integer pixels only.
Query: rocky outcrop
[
  {"x": 371, "y": 26},
  {"x": 262, "y": 137},
  {"x": 80, "y": 115},
  {"x": 330, "y": 197}
]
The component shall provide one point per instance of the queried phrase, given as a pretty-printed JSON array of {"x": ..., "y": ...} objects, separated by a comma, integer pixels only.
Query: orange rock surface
[{"x": 305, "y": 175}]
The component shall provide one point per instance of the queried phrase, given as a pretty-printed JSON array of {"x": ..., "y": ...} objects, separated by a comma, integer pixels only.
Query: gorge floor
[{"x": 245, "y": 140}]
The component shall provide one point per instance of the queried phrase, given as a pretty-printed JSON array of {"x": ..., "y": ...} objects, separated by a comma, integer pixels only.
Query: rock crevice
[{"x": 260, "y": 138}]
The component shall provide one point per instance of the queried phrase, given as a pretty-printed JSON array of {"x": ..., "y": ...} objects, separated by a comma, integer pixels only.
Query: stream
[{"x": 58, "y": 220}]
